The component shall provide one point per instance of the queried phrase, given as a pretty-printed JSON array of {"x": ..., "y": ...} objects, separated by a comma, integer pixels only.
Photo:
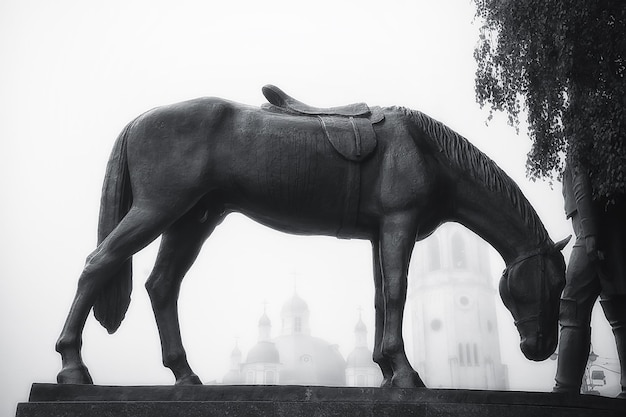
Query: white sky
[{"x": 73, "y": 73}]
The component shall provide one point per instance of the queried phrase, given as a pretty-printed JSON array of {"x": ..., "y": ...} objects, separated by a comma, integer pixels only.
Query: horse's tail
[{"x": 112, "y": 303}]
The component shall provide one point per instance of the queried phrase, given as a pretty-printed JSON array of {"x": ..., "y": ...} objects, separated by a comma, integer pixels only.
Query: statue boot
[
  {"x": 574, "y": 343},
  {"x": 615, "y": 312}
]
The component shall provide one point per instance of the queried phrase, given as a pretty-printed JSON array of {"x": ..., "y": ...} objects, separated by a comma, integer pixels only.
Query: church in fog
[
  {"x": 451, "y": 319},
  {"x": 296, "y": 357},
  {"x": 452, "y": 309}
]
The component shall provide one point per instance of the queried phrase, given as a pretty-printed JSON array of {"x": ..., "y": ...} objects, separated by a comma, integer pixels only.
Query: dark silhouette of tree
[{"x": 564, "y": 62}]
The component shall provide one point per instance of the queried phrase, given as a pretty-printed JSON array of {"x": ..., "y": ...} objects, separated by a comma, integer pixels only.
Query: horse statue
[{"x": 388, "y": 175}]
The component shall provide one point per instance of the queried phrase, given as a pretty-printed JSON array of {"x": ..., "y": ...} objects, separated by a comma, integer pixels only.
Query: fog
[{"x": 74, "y": 73}]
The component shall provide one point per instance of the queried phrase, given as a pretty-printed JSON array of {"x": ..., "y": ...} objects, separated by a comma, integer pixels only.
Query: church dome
[
  {"x": 295, "y": 306},
  {"x": 309, "y": 360},
  {"x": 264, "y": 320},
  {"x": 361, "y": 356},
  {"x": 295, "y": 357},
  {"x": 360, "y": 326},
  {"x": 263, "y": 352}
]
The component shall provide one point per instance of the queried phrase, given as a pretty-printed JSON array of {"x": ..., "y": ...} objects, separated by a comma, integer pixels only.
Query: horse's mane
[{"x": 469, "y": 159}]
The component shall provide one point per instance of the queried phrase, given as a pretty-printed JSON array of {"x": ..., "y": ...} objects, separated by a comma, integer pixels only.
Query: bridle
[{"x": 539, "y": 316}]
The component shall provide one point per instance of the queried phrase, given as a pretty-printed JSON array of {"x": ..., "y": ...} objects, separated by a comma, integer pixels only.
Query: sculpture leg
[
  {"x": 581, "y": 290},
  {"x": 613, "y": 297},
  {"x": 179, "y": 248},
  {"x": 397, "y": 238},
  {"x": 379, "y": 305},
  {"x": 135, "y": 231},
  {"x": 573, "y": 348},
  {"x": 615, "y": 312}
]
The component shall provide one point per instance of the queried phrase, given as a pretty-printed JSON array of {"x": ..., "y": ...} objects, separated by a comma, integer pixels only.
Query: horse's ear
[{"x": 561, "y": 243}]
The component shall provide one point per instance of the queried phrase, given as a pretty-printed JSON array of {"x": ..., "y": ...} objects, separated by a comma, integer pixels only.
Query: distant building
[
  {"x": 361, "y": 371},
  {"x": 263, "y": 360},
  {"x": 452, "y": 321},
  {"x": 298, "y": 358},
  {"x": 233, "y": 376},
  {"x": 452, "y": 307}
]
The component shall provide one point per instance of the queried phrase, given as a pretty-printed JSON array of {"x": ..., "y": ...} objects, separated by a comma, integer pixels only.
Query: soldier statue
[{"x": 597, "y": 267}]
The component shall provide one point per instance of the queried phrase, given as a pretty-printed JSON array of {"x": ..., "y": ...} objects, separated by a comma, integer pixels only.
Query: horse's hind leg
[
  {"x": 137, "y": 229},
  {"x": 379, "y": 305},
  {"x": 397, "y": 238},
  {"x": 179, "y": 248}
]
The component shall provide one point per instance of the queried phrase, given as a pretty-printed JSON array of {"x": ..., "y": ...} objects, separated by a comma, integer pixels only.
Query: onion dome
[
  {"x": 361, "y": 356},
  {"x": 360, "y": 326},
  {"x": 295, "y": 316},
  {"x": 265, "y": 328},
  {"x": 264, "y": 320},
  {"x": 233, "y": 376},
  {"x": 295, "y": 306}
]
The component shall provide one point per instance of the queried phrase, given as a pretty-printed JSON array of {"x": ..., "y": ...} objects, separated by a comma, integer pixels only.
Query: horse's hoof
[
  {"x": 407, "y": 380},
  {"x": 75, "y": 375},
  {"x": 189, "y": 380}
]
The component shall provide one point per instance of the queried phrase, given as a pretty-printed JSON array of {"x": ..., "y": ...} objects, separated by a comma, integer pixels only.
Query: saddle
[{"x": 348, "y": 128}]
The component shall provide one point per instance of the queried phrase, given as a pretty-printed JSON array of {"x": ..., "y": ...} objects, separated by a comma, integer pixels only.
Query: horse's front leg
[
  {"x": 397, "y": 238},
  {"x": 179, "y": 248}
]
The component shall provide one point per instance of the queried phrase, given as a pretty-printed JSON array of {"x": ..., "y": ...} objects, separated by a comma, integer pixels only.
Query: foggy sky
[{"x": 74, "y": 73}]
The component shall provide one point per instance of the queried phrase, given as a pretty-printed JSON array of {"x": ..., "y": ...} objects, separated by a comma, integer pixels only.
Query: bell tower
[{"x": 453, "y": 315}]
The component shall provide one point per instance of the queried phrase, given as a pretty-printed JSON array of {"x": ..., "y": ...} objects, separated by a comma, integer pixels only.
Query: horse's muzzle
[{"x": 537, "y": 348}]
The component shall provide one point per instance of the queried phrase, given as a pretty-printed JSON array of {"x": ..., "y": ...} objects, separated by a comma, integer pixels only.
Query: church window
[
  {"x": 250, "y": 377},
  {"x": 469, "y": 357},
  {"x": 476, "y": 355},
  {"x": 461, "y": 355},
  {"x": 459, "y": 259},
  {"x": 361, "y": 380},
  {"x": 297, "y": 325},
  {"x": 435, "y": 324},
  {"x": 433, "y": 254},
  {"x": 489, "y": 327},
  {"x": 464, "y": 300},
  {"x": 306, "y": 358},
  {"x": 270, "y": 377}
]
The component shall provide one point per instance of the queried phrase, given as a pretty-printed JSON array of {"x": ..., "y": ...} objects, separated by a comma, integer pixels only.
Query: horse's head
[{"x": 530, "y": 288}]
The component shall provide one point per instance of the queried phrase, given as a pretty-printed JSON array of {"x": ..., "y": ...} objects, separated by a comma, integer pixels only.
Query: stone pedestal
[{"x": 294, "y": 401}]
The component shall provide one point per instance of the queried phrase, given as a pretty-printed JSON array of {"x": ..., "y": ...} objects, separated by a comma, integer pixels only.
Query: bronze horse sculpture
[{"x": 388, "y": 175}]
